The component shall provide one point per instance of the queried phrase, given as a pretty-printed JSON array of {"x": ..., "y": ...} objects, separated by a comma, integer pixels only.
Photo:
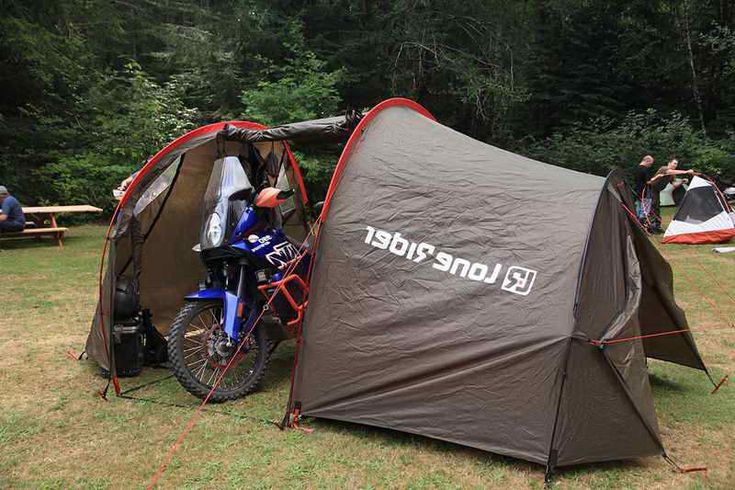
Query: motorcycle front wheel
[{"x": 200, "y": 352}]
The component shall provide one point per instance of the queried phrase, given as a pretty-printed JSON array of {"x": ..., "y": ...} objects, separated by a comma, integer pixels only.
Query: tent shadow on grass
[
  {"x": 156, "y": 385},
  {"x": 659, "y": 385}
]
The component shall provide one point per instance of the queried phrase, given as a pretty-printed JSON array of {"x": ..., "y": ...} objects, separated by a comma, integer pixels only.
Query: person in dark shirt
[
  {"x": 11, "y": 218},
  {"x": 643, "y": 173},
  {"x": 646, "y": 196},
  {"x": 649, "y": 197}
]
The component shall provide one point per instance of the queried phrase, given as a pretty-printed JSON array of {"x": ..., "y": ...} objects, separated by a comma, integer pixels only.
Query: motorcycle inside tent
[
  {"x": 148, "y": 264},
  {"x": 458, "y": 291},
  {"x": 704, "y": 216}
]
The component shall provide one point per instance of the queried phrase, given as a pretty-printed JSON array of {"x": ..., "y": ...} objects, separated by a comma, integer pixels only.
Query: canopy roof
[{"x": 331, "y": 128}]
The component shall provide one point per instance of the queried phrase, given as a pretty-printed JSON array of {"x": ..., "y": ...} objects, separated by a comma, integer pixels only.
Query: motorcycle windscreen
[{"x": 224, "y": 201}]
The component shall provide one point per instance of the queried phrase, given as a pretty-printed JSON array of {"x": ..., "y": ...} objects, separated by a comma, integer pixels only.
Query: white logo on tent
[{"x": 518, "y": 280}]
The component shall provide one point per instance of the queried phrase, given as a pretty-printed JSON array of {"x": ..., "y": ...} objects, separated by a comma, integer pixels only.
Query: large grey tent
[
  {"x": 469, "y": 294},
  {"x": 458, "y": 291}
]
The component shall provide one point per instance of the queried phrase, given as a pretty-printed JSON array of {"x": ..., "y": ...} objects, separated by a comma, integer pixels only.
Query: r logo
[{"x": 519, "y": 280}]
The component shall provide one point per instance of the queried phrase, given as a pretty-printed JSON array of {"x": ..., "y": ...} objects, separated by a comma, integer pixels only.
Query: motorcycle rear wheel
[{"x": 199, "y": 353}]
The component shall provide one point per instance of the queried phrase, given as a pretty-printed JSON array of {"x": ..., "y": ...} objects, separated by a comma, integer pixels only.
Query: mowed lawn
[{"x": 56, "y": 433}]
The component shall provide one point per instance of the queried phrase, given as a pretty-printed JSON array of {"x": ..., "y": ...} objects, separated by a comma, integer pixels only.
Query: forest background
[{"x": 91, "y": 88}]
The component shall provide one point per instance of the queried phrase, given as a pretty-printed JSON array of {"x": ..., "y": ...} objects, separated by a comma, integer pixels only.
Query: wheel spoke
[
  {"x": 200, "y": 371},
  {"x": 195, "y": 356},
  {"x": 196, "y": 364},
  {"x": 212, "y": 377},
  {"x": 203, "y": 322}
]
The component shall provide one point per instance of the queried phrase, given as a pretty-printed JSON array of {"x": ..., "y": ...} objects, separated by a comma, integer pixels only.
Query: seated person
[{"x": 11, "y": 218}]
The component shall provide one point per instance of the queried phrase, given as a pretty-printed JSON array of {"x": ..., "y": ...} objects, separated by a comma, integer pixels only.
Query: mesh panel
[
  {"x": 161, "y": 184},
  {"x": 699, "y": 205}
]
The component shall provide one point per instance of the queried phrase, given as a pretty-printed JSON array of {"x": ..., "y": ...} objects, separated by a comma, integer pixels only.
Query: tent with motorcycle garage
[
  {"x": 458, "y": 291},
  {"x": 471, "y": 295},
  {"x": 148, "y": 263},
  {"x": 704, "y": 216}
]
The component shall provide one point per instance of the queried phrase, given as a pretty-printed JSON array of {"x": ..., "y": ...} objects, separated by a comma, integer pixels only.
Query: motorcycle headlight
[{"x": 214, "y": 230}]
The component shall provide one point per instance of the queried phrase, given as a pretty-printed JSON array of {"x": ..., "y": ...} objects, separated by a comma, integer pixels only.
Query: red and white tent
[{"x": 703, "y": 217}]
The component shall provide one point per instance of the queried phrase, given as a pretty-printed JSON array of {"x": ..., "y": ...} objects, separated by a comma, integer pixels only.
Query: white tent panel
[
  {"x": 722, "y": 221},
  {"x": 698, "y": 182},
  {"x": 667, "y": 195}
]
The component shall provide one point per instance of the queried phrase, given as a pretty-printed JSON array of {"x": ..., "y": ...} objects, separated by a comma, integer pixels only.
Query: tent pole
[{"x": 553, "y": 453}]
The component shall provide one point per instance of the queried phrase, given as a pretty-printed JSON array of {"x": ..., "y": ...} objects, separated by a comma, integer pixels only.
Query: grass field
[{"x": 55, "y": 433}]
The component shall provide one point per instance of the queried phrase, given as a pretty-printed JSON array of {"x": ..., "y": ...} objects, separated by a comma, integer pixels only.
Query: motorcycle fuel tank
[{"x": 269, "y": 244}]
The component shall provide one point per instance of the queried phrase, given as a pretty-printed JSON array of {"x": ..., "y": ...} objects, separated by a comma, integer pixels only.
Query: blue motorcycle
[{"x": 254, "y": 293}]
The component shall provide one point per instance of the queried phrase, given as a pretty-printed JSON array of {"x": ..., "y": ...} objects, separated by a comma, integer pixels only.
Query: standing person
[
  {"x": 658, "y": 182},
  {"x": 643, "y": 173},
  {"x": 12, "y": 217},
  {"x": 666, "y": 174}
]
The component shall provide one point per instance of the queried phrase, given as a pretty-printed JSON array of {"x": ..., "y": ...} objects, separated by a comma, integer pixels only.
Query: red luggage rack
[{"x": 280, "y": 287}]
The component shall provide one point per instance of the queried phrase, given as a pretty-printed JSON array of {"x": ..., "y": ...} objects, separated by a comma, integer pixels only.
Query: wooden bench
[{"x": 57, "y": 233}]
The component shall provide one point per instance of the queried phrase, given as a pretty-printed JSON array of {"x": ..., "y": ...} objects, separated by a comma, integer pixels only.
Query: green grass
[{"x": 55, "y": 433}]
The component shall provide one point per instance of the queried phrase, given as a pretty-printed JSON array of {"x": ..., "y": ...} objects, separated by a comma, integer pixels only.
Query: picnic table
[{"x": 45, "y": 219}]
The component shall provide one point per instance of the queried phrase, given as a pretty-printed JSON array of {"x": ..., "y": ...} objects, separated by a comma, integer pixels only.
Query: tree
[
  {"x": 299, "y": 89},
  {"x": 112, "y": 81}
]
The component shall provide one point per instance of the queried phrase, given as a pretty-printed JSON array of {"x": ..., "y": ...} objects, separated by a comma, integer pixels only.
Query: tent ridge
[{"x": 357, "y": 134}]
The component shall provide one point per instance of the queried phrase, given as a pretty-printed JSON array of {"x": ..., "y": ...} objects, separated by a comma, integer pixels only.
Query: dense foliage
[{"x": 93, "y": 87}]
